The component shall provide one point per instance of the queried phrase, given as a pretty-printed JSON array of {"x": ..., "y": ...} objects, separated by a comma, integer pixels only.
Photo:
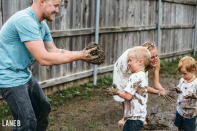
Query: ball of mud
[{"x": 97, "y": 52}]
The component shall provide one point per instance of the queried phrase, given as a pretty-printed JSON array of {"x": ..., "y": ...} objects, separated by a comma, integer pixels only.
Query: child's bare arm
[{"x": 123, "y": 94}]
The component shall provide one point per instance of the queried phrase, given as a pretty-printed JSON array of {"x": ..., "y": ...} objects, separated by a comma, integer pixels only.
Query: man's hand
[
  {"x": 87, "y": 54},
  {"x": 94, "y": 54},
  {"x": 166, "y": 94},
  {"x": 190, "y": 96},
  {"x": 113, "y": 90}
]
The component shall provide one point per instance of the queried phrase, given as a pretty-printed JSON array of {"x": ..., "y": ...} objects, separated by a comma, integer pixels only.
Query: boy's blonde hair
[
  {"x": 138, "y": 53},
  {"x": 188, "y": 63}
]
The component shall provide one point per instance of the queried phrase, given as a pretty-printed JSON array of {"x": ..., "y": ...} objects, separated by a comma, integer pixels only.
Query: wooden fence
[{"x": 123, "y": 23}]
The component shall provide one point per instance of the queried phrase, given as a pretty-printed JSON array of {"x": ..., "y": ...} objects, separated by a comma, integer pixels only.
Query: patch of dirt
[
  {"x": 101, "y": 113},
  {"x": 98, "y": 112}
]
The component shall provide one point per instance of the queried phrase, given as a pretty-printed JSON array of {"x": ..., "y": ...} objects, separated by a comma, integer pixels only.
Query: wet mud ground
[{"x": 99, "y": 112}]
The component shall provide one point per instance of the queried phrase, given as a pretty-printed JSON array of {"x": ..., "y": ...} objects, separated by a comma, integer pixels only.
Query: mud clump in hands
[{"x": 96, "y": 56}]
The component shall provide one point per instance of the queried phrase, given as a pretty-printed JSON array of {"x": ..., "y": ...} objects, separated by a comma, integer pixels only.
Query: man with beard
[{"x": 24, "y": 39}]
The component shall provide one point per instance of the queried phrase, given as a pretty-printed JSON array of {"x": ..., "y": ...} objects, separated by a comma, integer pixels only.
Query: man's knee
[
  {"x": 32, "y": 122},
  {"x": 46, "y": 106},
  {"x": 28, "y": 124}
]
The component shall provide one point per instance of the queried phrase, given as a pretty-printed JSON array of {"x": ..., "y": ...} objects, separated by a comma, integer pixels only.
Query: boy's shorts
[
  {"x": 184, "y": 123},
  {"x": 133, "y": 125}
]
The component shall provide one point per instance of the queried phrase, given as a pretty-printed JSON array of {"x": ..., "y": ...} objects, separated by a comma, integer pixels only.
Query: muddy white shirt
[
  {"x": 187, "y": 107},
  {"x": 121, "y": 74},
  {"x": 135, "y": 109}
]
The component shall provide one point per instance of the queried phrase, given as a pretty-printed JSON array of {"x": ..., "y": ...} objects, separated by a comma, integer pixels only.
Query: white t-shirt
[
  {"x": 121, "y": 74},
  {"x": 187, "y": 107},
  {"x": 135, "y": 109}
]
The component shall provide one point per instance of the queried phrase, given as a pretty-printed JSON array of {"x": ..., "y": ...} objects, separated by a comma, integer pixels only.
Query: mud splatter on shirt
[
  {"x": 187, "y": 107},
  {"x": 135, "y": 109},
  {"x": 121, "y": 74}
]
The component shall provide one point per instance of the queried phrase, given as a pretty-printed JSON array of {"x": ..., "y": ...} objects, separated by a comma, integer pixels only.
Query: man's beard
[{"x": 45, "y": 17}]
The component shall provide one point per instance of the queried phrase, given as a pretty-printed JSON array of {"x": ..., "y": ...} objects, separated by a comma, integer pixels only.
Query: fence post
[
  {"x": 96, "y": 36},
  {"x": 195, "y": 32},
  {"x": 158, "y": 28}
]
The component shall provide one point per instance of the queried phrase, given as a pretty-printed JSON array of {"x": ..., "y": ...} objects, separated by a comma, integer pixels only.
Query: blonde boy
[
  {"x": 135, "y": 93},
  {"x": 187, "y": 95},
  {"x": 122, "y": 73}
]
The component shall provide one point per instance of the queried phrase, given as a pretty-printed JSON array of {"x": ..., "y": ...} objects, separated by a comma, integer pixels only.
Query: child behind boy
[
  {"x": 135, "y": 94},
  {"x": 187, "y": 95}
]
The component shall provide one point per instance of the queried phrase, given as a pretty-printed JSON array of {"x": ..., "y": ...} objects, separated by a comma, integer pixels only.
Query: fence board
[{"x": 123, "y": 23}]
